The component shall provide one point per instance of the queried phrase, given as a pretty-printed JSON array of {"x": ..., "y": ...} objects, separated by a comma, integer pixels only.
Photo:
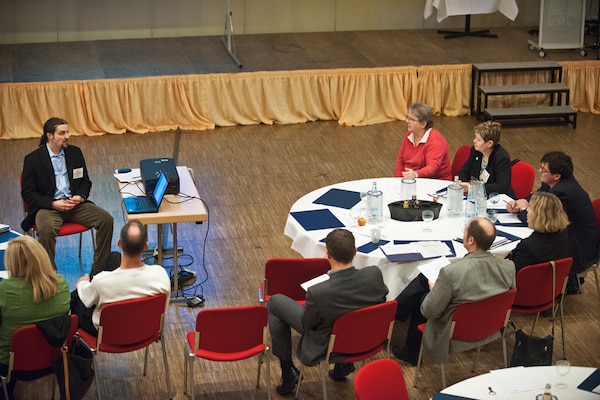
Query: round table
[
  {"x": 308, "y": 241},
  {"x": 523, "y": 383}
]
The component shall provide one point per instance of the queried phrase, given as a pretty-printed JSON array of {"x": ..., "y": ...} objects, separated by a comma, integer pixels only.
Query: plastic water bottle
[
  {"x": 374, "y": 205},
  {"x": 455, "y": 199},
  {"x": 481, "y": 200},
  {"x": 471, "y": 207}
]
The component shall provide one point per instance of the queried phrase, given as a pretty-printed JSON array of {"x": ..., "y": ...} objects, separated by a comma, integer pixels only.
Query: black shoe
[
  {"x": 404, "y": 354},
  {"x": 340, "y": 371},
  {"x": 289, "y": 380}
]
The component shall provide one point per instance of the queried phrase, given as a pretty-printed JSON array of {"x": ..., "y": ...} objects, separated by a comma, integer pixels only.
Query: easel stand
[
  {"x": 467, "y": 31},
  {"x": 228, "y": 40}
]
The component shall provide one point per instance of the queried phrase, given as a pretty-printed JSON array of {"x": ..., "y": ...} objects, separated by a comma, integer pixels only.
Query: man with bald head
[
  {"x": 477, "y": 276},
  {"x": 132, "y": 279}
]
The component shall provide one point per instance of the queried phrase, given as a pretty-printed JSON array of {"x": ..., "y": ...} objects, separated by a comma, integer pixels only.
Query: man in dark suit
[
  {"x": 346, "y": 289},
  {"x": 556, "y": 174},
  {"x": 56, "y": 186}
]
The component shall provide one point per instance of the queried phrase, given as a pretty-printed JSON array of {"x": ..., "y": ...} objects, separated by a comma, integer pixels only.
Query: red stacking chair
[
  {"x": 228, "y": 334},
  {"x": 127, "y": 326},
  {"x": 475, "y": 321},
  {"x": 594, "y": 267},
  {"x": 460, "y": 158},
  {"x": 381, "y": 379},
  {"x": 67, "y": 228},
  {"x": 534, "y": 291},
  {"x": 522, "y": 178},
  {"x": 358, "y": 335},
  {"x": 30, "y": 351},
  {"x": 284, "y": 275}
]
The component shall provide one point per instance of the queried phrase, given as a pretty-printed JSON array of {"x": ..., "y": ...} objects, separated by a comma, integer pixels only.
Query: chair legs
[
  {"x": 594, "y": 269},
  {"x": 4, "y": 382},
  {"x": 323, "y": 381}
]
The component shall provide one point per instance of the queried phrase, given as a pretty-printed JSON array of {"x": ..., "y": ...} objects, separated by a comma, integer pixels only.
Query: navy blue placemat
[
  {"x": 313, "y": 220},
  {"x": 339, "y": 198},
  {"x": 445, "y": 396},
  {"x": 416, "y": 256},
  {"x": 591, "y": 382},
  {"x": 369, "y": 247}
]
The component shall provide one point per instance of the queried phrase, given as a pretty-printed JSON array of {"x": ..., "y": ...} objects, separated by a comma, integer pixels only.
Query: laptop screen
[{"x": 160, "y": 189}]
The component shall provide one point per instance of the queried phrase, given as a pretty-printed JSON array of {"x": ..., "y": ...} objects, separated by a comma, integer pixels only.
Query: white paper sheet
[
  {"x": 519, "y": 379},
  {"x": 431, "y": 269},
  {"x": 314, "y": 281},
  {"x": 508, "y": 218}
]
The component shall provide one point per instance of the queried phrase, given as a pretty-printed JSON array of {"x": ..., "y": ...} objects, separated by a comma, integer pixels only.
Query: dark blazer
[
  {"x": 582, "y": 229},
  {"x": 346, "y": 290},
  {"x": 39, "y": 185},
  {"x": 498, "y": 167},
  {"x": 540, "y": 247}
]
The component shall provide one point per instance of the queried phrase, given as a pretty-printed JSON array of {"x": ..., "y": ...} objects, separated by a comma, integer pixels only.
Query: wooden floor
[{"x": 249, "y": 177}]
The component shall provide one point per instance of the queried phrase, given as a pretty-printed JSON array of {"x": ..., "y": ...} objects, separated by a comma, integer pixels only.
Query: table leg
[{"x": 467, "y": 31}]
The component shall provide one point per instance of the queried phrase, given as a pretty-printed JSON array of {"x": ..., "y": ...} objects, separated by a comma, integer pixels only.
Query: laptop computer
[{"x": 147, "y": 204}]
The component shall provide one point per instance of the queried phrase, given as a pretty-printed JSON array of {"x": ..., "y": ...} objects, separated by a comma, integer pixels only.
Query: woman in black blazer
[
  {"x": 488, "y": 161},
  {"x": 549, "y": 240}
]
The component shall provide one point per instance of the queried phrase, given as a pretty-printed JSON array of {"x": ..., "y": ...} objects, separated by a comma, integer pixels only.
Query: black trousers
[{"x": 409, "y": 306}]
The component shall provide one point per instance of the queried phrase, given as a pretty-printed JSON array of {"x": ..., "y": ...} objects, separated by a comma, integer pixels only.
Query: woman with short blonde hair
[
  {"x": 549, "y": 240},
  {"x": 33, "y": 292}
]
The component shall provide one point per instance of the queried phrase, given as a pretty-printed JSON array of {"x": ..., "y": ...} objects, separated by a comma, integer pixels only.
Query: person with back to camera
[
  {"x": 131, "y": 280},
  {"x": 477, "y": 276},
  {"x": 549, "y": 240},
  {"x": 56, "y": 186},
  {"x": 424, "y": 151},
  {"x": 488, "y": 161},
  {"x": 347, "y": 289},
  {"x": 33, "y": 292},
  {"x": 556, "y": 174}
]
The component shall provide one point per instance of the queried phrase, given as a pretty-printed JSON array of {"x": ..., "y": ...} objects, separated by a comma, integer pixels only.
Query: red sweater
[{"x": 430, "y": 159}]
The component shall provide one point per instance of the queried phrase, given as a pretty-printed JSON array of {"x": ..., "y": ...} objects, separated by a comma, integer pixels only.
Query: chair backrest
[
  {"x": 284, "y": 275},
  {"x": 235, "y": 330},
  {"x": 380, "y": 379},
  {"x": 460, "y": 158},
  {"x": 480, "y": 319},
  {"x": 522, "y": 178},
  {"x": 534, "y": 286},
  {"x": 596, "y": 205},
  {"x": 130, "y": 325},
  {"x": 30, "y": 351},
  {"x": 361, "y": 333}
]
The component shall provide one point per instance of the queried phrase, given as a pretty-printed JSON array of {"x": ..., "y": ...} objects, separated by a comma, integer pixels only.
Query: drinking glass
[
  {"x": 494, "y": 198},
  {"x": 492, "y": 215},
  {"x": 355, "y": 215},
  {"x": 427, "y": 217},
  {"x": 562, "y": 369}
]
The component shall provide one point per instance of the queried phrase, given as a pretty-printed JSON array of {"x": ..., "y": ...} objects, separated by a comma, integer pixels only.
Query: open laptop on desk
[{"x": 147, "y": 204}]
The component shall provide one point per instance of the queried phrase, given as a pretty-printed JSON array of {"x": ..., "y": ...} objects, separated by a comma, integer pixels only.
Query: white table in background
[
  {"x": 396, "y": 275},
  {"x": 478, "y": 386},
  {"x": 448, "y": 8}
]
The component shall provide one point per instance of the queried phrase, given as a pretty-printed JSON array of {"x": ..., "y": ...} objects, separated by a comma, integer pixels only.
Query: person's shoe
[
  {"x": 404, "y": 354},
  {"x": 340, "y": 371},
  {"x": 289, "y": 380}
]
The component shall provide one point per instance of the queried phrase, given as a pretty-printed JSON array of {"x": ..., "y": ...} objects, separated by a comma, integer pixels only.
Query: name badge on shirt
[
  {"x": 485, "y": 175},
  {"x": 78, "y": 173}
]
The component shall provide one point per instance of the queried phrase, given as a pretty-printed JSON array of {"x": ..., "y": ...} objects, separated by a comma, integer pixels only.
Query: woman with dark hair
[
  {"x": 488, "y": 161},
  {"x": 549, "y": 240}
]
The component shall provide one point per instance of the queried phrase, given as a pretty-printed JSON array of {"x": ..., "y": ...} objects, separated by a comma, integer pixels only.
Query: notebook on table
[{"x": 147, "y": 204}]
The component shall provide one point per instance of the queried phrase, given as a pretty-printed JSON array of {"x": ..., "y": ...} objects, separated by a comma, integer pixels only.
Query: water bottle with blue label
[{"x": 374, "y": 205}]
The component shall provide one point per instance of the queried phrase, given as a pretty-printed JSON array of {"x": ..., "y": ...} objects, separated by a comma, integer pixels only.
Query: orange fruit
[{"x": 361, "y": 221}]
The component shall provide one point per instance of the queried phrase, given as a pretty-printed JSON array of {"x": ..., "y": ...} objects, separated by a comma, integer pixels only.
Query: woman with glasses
[
  {"x": 549, "y": 240},
  {"x": 424, "y": 151},
  {"x": 488, "y": 161}
]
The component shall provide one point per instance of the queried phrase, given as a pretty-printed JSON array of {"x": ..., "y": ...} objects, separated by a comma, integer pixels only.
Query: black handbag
[
  {"x": 79, "y": 363},
  {"x": 531, "y": 350},
  {"x": 404, "y": 210}
]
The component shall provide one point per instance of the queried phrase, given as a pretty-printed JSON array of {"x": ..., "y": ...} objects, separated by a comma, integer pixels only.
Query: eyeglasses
[
  {"x": 411, "y": 119},
  {"x": 544, "y": 170}
]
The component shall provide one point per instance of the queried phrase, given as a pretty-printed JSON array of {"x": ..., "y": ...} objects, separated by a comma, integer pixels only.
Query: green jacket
[{"x": 17, "y": 309}]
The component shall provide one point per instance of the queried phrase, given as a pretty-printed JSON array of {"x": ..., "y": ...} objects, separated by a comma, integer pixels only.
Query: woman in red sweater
[{"x": 424, "y": 151}]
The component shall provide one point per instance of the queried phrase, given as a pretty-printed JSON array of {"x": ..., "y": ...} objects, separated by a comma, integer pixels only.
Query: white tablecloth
[
  {"x": 506, "y": 383},
  {"x": 448, "y": 8},
  {"x": 396, "y": 275}
]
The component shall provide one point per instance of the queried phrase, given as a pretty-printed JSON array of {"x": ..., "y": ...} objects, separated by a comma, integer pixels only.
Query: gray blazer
[
  {"x": 476, "y": 277},
  {"x": 346, "y": 290}
]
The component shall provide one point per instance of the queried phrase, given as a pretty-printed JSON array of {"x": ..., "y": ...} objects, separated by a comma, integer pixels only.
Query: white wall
[{"x": 33, "y": 21}]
